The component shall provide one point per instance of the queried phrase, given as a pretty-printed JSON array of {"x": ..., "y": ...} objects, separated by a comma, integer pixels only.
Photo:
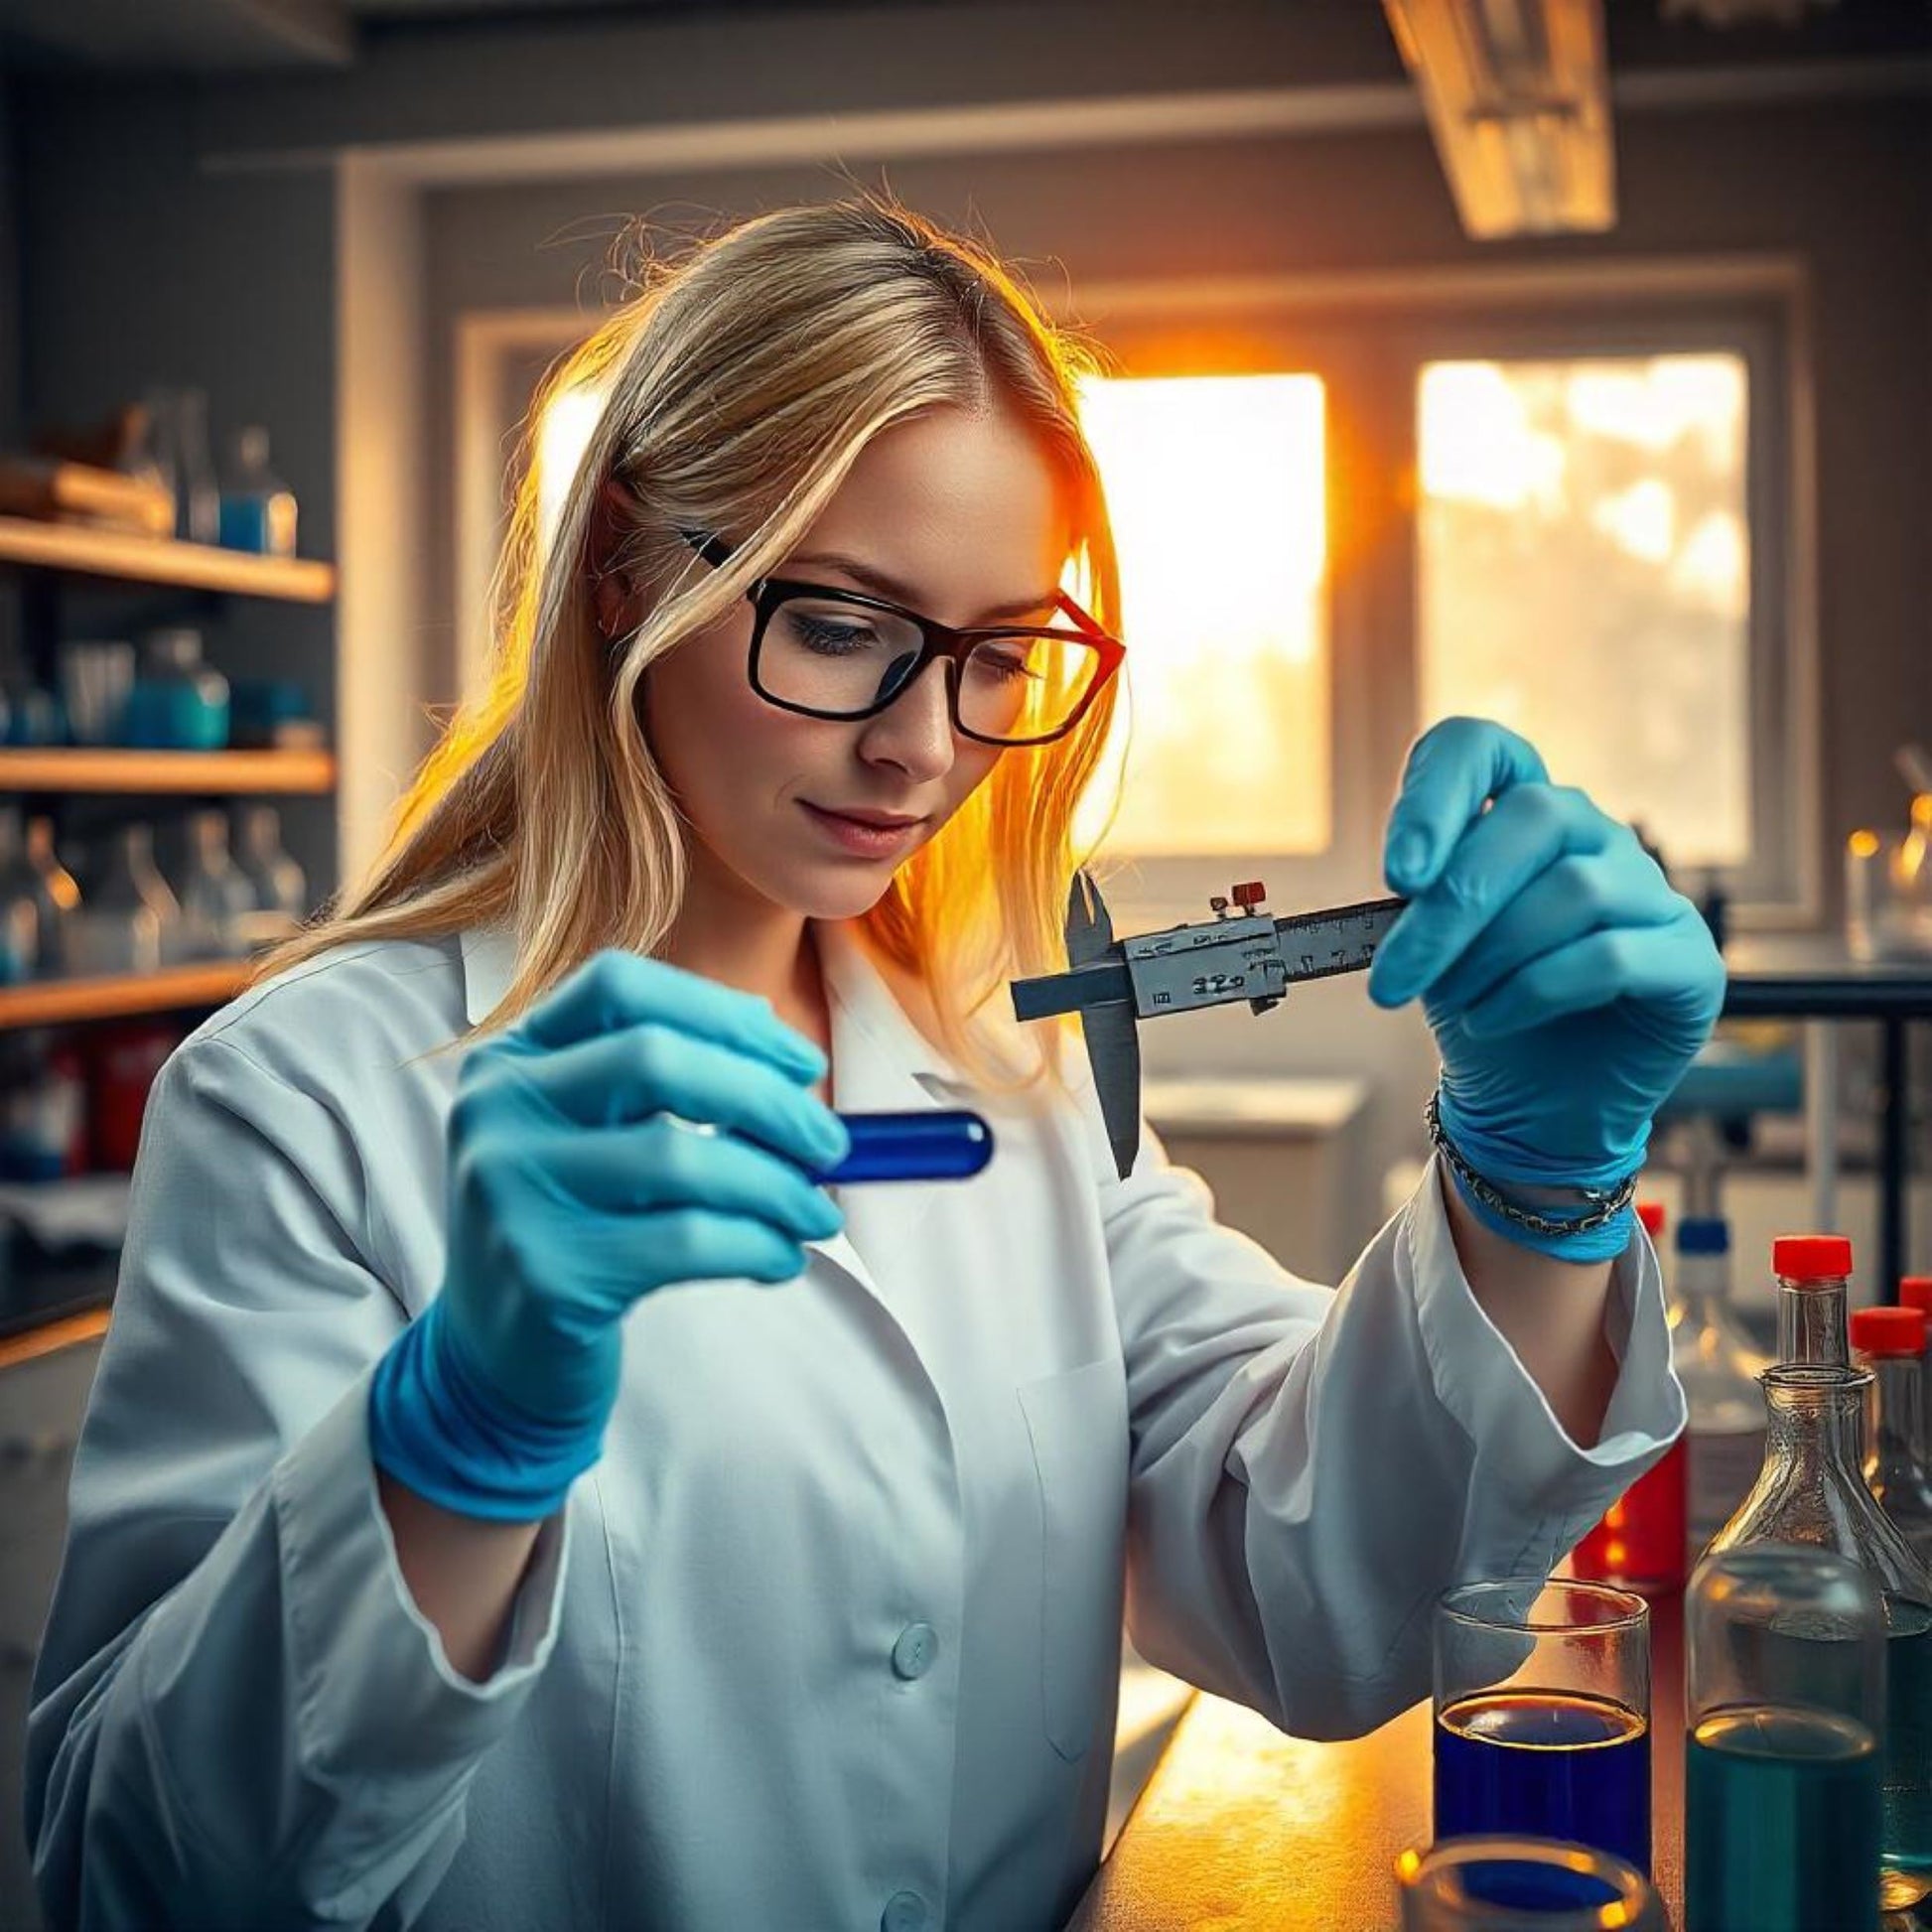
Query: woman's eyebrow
[{"x": 881, "y": 584}]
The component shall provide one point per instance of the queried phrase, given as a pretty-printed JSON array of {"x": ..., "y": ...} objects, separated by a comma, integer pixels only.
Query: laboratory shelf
[
  {"x": 122, "y": 772},
  {"x": 54, "y": 1003},
  {"x": 81, "y": 551},
  {"x": 44, "y": 1335}
]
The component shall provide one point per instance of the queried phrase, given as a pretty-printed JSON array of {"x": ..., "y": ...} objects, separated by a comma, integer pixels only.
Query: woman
[{"x": 501, "y": 1505}]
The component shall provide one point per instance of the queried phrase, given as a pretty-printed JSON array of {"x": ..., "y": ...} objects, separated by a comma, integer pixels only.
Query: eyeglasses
[{"x": 827, "y": 652}]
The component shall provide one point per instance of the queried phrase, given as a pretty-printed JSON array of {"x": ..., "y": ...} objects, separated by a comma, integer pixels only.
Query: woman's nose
[{"x": 914, "y": 732}]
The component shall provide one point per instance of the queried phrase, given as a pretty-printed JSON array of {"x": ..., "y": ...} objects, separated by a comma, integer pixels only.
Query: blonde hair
[{"x": 738, "y": 386}]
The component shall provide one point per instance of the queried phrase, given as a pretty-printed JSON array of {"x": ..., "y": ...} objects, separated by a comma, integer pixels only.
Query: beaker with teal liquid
[
  {"x": 1810, "y": 1493},
  {"x": 1784, "y": 1651}
]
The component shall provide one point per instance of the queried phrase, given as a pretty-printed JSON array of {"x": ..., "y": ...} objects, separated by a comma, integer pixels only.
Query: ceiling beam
[{"x": 186, "y": 36}]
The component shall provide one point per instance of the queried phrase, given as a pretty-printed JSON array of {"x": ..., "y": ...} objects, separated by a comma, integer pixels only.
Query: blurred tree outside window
[{"x": 1583, "y": 575}]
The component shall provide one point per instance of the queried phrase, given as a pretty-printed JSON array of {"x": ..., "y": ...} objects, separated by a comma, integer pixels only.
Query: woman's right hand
[{"x": 638, "y": 1127}]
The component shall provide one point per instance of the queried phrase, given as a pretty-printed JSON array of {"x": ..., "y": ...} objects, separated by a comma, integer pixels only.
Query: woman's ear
[{"x": 614, "y": 593}]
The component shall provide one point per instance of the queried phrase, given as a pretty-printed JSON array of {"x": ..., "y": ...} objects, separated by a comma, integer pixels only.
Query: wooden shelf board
[
  {"x": 53, "y": 1003},
  {"x": 61, "y": 1333},
  {"x": 113, "y": 771},
  {"x": 158, "y": 560}
]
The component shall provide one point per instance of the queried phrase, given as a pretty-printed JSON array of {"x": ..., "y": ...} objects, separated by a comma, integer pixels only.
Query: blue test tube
[{"x": 945, "y": 1145}]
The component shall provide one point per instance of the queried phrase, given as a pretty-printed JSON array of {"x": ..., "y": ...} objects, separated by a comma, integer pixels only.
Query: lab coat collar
[
  {"x": 488, "y": 966},
  {"x": 888, "y": 1064}
]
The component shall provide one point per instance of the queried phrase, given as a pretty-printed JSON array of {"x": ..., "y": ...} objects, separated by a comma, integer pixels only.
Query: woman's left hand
[{"x": 1569, "y": 986}]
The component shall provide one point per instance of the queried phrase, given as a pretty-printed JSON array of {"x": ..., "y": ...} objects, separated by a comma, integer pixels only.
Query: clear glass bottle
[
  {"x": 1719, "y": 1368},
  {"x": 1641, "y": 1541},
  {"x": 257, "y": 508},
  {"x": 1890, "y": 1342},
  {"x": 280, "y": 889},
  {"x": 19, "y": 904},
  {"x": 1811, "y": 1493},
  {"x": 60, "y": 899},
  {"x": 1784, "y": 1692},
  {"x": 179, "y": 703},
  {"x": 131, "y": 922},
  {"x": 197, "y": 496},
  {"x": 1814, "y": 1274},
  {"x": 216, "y": 902},
  {"x": 42, "y": 1109},
  {"x": 152, "y": 452},
  {"x": 1915, "y": 1291}
]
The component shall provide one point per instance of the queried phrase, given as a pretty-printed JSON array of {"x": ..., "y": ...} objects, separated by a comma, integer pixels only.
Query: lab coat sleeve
[
  {"x": 239, "y": 1717},
  {"x": 1311, "y": 1467}
]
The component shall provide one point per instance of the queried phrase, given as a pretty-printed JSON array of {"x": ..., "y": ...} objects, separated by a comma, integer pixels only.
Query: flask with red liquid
[{"x": 1642, "y": 1543}]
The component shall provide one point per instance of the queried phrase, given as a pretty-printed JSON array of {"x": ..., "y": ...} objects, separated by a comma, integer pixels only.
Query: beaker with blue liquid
[{"x": 1543, "y": 1713}]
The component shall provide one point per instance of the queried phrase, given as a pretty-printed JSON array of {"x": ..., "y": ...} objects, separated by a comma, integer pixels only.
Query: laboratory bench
[
  {"x": 1814, "y": 978},
  {"x": 1244, "y": 1829}
]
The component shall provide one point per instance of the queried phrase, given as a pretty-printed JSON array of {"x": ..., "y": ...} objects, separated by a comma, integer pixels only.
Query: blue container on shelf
[{"x": 179, "y": 703}]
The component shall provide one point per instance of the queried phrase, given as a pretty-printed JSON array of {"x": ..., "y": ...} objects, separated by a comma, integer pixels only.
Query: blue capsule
[{"x": 944, "y": 1146}]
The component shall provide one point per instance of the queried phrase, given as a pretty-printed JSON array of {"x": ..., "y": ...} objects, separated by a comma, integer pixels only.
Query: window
[
  {"x": 567, "y": 431},
  {"x": 1583, "y": 575},
  {"x": 1216, "y": 490}
]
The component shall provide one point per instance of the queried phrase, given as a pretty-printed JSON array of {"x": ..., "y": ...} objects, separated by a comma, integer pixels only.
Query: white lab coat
[{"x": 830, "y": 1636}]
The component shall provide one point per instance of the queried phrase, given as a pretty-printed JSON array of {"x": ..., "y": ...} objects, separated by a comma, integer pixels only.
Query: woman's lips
[{"x": 855, "y": 835}]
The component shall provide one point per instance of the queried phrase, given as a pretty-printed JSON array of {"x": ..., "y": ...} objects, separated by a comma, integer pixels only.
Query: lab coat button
[
  {"x": 904, "y": 1912},
  {"x": 913, "y": 1655}
]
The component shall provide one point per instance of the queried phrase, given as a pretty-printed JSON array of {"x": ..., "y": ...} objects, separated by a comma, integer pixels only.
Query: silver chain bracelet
[{"x": 1601, "y": 1206}]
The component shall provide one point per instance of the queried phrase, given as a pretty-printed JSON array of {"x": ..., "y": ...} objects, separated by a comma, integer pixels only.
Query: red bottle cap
[
  {"x": 1651, "y": 1214},
  {"x": 1810, "y": 1256},
  {"x": 1915, "y": 1291},
  {"x": 1889, "y": 1331}
]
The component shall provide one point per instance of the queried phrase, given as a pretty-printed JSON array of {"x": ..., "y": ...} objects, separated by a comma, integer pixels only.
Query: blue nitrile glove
[
  {"x": 1567, "y": 984},
  {"x": 579, "y": 1183}
]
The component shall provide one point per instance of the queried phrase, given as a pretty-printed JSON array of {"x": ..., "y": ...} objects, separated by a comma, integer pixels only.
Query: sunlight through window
[
  {"x": 567, "y": 429},
  {"x": 1216, "y": 485}
]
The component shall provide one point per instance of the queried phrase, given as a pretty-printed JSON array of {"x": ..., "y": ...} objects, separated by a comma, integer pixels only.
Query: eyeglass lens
[{"x": 846, "y": 659}]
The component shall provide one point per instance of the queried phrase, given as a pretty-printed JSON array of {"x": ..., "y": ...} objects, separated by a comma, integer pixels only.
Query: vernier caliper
[{"x": 1114, "y": 984}]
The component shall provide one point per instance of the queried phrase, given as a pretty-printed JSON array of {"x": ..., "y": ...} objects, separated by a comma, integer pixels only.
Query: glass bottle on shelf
[
  {"x": 60, "y": 899},
  {"x": 29, "y": 713},
  {"x": 257, "y": 508},
  {"x": 179, "y": 703},
  {"x": 1641, "y": 1542},
  {"x": 19, "y": 904},
  {"x": 1810, "y": 1492},
  {"x": 197, "y": 498},
  {"x": 131, "y": 922},
  {"x": 43, "y": 1108},
  {"x": 1719, "y": 1368},
  {"x": 1889, "y": 1343},
  {"x": 1784, "y": 1683},
  {"x": 1814, "y": 1274},
  {"x": 216, "y": 902},
  {"x": 152, "y": 453},
  {"x": 281, "y": 891}
]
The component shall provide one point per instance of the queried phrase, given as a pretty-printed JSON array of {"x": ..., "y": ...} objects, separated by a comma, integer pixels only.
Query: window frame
[{"x": 1367, "y": 338}]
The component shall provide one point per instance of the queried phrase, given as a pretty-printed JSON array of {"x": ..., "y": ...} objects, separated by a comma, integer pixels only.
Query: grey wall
[
  {"x": 9, "y": 268},
  {"x": 9, "y": 324}
]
